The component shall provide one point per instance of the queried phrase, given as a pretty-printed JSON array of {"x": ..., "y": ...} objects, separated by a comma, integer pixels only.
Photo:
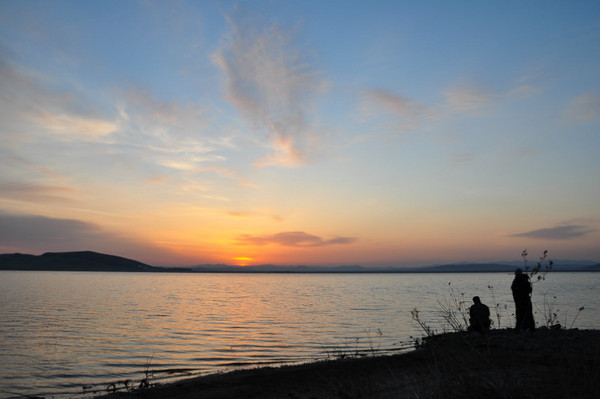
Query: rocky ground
[{"x": 505, "y": 364}]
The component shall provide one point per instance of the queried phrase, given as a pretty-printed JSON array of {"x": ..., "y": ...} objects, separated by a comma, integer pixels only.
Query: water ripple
[{"x": 61, "y": 332}]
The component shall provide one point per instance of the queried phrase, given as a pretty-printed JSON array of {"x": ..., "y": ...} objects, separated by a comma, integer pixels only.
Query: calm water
[{"x": 61, "y": 331}]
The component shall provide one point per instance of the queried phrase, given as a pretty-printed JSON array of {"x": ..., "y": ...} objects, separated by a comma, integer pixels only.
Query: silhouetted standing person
[
  {"x": 521, "y": 290},
  {"x": 479, "y": 316}
]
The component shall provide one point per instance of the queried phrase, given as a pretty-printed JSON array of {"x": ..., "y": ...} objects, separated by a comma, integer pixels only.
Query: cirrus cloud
[
  {"x": 378, "y": 102},
  {"x": 583, "y": 108},
  {"x": 268, "y": 80},
  {"x": 566, "y": 232},
  {"x": 30, "y": 107},
  {"x": 467, "y": 98},
  {"x": 32, "y": 192},
  {"x": 464, "y": 97}
]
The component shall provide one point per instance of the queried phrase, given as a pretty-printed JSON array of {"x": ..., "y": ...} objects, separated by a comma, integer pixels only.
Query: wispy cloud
[
  {"x": 182, "y": 121},
  {"x": 566, "y": 232},
  {"x": 170, "y": 134},
  {"x": 270, "y": 82},
  {"x": 397, "y": 104},
  {"x": 75, "y": 127},
  {"x": 39, "y": 193},
  {"x": 45, "y": 127},
  {"x": 30, "y": 108},
  {"x": 583, "y": 109},
  {"x": 523, "y": 90},
  {"x": 173, "y": 134},
  {"x": 292, "y": 239},
  {"x": 377, "y": 102},
  {"x": 468, "y": 96},
  {"x": 465, "y": 98}
]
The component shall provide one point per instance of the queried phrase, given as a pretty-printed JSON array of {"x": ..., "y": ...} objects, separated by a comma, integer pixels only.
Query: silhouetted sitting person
[
  {"x": 479, "y": 316},
  {"x": 521, "y": 290}
]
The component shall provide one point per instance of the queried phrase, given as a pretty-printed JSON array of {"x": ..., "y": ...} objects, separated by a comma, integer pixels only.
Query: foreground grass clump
[{"x": 550, "y": 363}]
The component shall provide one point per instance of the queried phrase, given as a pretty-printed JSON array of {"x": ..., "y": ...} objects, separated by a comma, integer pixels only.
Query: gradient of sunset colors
[{"x": 387, "y": 133}]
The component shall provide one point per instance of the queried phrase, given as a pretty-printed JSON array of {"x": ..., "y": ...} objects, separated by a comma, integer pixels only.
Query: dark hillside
[
  {"x": 593, "y": 268},
  {"x": 72, "y": 261}
]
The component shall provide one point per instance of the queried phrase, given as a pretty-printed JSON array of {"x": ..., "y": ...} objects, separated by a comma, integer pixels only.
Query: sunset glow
[
  {"x": 300, "y": 133},
  {"x": 243, "y": 260}
]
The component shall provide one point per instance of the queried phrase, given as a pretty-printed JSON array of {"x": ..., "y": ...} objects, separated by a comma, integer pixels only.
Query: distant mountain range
[
  {"x": 452, "y": 268},
  {"x": 94, "y": 261}
]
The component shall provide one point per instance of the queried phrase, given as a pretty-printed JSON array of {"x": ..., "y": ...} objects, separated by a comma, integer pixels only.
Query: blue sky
[{"x": 379, "y": 133}]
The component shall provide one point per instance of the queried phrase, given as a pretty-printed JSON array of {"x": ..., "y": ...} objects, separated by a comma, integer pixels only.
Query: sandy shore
[{"x": 547, "y": 363}]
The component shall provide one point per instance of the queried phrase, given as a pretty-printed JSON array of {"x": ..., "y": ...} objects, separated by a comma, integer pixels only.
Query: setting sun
[{"x": 242, "y": 260}]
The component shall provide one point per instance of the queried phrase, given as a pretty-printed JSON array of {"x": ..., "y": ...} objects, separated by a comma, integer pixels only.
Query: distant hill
[
  {"x": 94, "y": 261},
  {"x": 73, "y": 261},
  {"x": 468, "y": 267},
  {"x": 452, "y": 268},
  {"x": 559, "y": 266}
]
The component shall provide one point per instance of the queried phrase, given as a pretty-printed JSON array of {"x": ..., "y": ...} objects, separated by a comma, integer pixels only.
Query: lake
[{"x": 69, "y": 334}]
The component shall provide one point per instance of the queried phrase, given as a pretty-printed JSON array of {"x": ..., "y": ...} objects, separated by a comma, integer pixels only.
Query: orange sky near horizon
[{"x": 300, "y": 133}]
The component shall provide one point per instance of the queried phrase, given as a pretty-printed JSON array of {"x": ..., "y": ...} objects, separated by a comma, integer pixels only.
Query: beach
[{"x": 505, "y": 364}]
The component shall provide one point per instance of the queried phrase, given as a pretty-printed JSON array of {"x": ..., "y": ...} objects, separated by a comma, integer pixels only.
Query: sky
[{"x": 384, "y": 133}]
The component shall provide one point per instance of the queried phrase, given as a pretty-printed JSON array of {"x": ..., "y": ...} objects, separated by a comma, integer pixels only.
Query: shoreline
[{"x": 547, "y": 362}]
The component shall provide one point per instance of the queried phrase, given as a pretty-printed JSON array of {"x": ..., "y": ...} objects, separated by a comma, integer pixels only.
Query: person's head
[
  {"x": 519, "y": 271},
  {"x": 476, "y": 299}
]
